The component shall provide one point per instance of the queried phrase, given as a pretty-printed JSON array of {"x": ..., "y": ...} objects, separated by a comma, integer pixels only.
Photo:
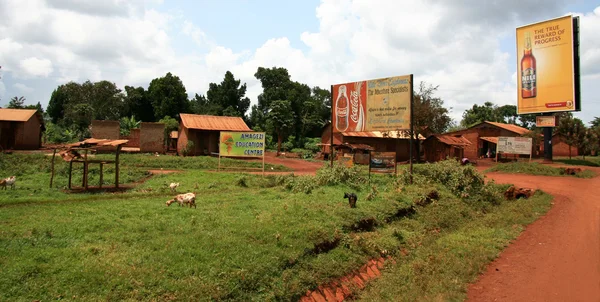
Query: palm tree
[{"x": 17, "y": 102}]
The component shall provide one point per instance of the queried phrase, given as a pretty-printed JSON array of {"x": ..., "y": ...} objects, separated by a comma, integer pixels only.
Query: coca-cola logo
[
  {"x": 342, "y": 111},
  {"x": 354, "y": 100}
]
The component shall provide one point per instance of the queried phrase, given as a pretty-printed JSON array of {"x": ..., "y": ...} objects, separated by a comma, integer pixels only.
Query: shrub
[
  {"x": 460, "y": 180},
  {"x": 340, "y": 174}
]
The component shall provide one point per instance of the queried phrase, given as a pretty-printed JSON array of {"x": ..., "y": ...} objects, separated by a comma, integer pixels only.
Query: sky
[{"x": 465, "y": 47}]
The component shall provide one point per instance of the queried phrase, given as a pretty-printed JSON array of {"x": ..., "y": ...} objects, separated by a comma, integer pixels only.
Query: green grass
[
  {"x": 580, "y": 161},
  {"x": 251, "y": 238},
  {"x": 536, "y": 169}
]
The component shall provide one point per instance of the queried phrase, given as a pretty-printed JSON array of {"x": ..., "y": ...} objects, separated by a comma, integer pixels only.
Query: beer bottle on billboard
[
  {"x": 528, "y": 70},
  {"x": 341, "y": 110}
]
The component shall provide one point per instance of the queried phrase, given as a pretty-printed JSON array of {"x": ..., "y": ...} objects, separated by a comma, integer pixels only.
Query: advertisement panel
[
  {"x": 546, "y": 77},
  {"x": 545, "y": 121},
  {"x": 242, "y": 144},
  {"x": 383, "y": 162},
  {"x": 514, "y": 145},
  {"x": 374, "y": 105}
]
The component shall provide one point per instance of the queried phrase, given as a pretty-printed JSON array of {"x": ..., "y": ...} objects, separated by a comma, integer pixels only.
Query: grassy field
[
  {"x": 590, "y": 161},
  {"x": 536, "y": 169},
  {"x": 253, "y": 238}
]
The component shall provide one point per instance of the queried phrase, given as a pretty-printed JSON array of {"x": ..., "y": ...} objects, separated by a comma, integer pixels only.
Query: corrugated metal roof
[
  {"x": 490, "y": 139},
  {"x": 453, "y": 140},
  {"x": 210, "y": 122},
  {"x": 510, "y": 127},
  {"x": 16, "y": 115},
  {"x": 381, "y": 134},
  {"x": 359, "y": 146}
]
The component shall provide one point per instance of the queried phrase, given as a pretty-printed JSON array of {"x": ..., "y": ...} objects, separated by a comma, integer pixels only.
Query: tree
[
  {"x": 168, "y": 96},
  {"x": 171, "y": 124},
  {"x": 428, "y": 113},
  {"x": 322, "y": 97},
  {"x": 200, "y": 105},
  {"x": 572, "y": 130},
  {"x": 280, "y": 119},
  {"x": 228, "y": 97},
  {"x": 56, "y": 105},
  {"x": 37, "y": 107},
  {"x": 137, "y": 103},
  {"x": 477, "y": 114},
  {"x": 596, "y": 122},
  {"x": 105, "y": 98},
  {"x": 16, "y": 102}
]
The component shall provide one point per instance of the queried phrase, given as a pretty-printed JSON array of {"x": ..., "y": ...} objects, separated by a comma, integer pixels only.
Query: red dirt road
[{"x": 557, "y": 258}]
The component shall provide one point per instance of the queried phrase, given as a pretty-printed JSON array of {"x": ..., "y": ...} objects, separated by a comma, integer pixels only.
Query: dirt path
[
  {"x": 298, "y": 166},
  {"x": 557, "y": 258}
]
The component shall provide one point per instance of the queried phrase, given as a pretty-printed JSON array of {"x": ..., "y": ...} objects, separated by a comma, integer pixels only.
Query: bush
[
  {"x": 339, "y": 174},
  {"x": 462, "y": 181}
]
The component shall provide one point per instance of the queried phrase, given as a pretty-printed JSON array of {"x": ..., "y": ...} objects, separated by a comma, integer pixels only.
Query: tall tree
[
  {"x": 280, "y": 120},
  {"x": 37, "y": 107},
  {"x": 200, "y": 105},
  {"x": 275, "y": 83},
  {"x": 595, "y": 122},
  {"x": 228, "y": 97},
  {"x": 322, "y": 97},
  {"x": 106, "y": 100},
  {"x": 16, "y": 102},
  {"x": 137, "y": 103},
  {"x": 168, "y": 96},
  {"x": 56, "y": 105}
]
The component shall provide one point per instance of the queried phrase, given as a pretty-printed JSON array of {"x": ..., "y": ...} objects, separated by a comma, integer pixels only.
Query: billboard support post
[
  {"x": 331, "y": 141},
  {"x": 412, "y": 101},
  {"x": 548, "y": 144}
]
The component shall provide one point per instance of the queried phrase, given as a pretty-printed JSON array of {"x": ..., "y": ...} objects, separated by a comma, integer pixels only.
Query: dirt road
[{"x": 557, "y": 258}]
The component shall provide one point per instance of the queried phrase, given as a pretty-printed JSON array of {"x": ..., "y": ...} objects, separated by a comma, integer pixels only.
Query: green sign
[{"x": 242, "y": 144}]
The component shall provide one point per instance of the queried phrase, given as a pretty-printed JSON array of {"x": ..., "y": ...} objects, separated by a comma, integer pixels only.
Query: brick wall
[
  {"x": 106, "y": 129},
  {"x": 560, "y": 148},
  {"x": 152, "y": 137},
  {"x": 133, "y": 138}
]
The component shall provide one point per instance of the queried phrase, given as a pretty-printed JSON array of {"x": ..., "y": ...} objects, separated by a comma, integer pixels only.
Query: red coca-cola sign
[{"x": 349, "y": 106}]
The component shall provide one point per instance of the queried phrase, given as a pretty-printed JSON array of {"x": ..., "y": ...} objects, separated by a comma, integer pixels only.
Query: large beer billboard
[
  {"x": 374, "y": 105},
  {"x": 546, "y": 67}
]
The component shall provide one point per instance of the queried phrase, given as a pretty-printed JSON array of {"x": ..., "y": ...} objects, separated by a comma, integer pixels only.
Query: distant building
[
  {"x": 363, "y": 142},
  {"x": 484, "y": 137},
  {"x": 204, "y": 132},
  {"x": 560, "y": 146},
  {"x": 21, "y": 129},
  {"x": 440, "y": 147}
]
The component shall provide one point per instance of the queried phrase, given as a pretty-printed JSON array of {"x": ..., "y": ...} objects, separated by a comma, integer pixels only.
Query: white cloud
[
  {"x": 455, "y": 44},
  {"x": 34, "y": 67},
  {"x": 23, "y": 88}
]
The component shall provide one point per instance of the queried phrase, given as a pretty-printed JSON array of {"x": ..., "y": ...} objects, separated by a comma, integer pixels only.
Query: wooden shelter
[
  {"x": 440, "y": 147},
  {"x": 78, "y": 153},
  {"x": 20, "y": 129}
]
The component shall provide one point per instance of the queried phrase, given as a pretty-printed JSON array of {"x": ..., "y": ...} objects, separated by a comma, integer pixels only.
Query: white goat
[
  {"x": 174, "y": 186},
  {"x": 183, "y": 199},
  {"x": 10, "y": 181}
]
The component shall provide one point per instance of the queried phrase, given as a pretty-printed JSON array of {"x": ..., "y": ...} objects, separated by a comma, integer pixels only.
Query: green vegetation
[
  {"x": 254, "y": 238},
  {"x": 537, "y": 169},
  {"x": 588, "y": 161}
]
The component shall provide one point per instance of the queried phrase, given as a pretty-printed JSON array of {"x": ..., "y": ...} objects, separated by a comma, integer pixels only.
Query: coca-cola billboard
[{"x": 374, "y": 105}]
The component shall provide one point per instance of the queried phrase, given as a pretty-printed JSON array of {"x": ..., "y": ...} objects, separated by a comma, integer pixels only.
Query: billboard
[
  {"x": 375, "y": 105},
  {"x": 514, "y": 145},
  {"x": 383, "y": 162},
  {"x": 242, "y": 144},
  {"x": 546, "y": 66},
  {"x": 546, "y": 121}
]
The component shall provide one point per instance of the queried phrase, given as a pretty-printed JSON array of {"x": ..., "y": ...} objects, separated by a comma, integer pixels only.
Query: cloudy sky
[{"x": 467, "y": 47}]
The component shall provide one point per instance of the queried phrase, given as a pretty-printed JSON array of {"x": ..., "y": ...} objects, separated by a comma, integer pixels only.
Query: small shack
[
  {"x": 204, "y": 130},
  {"x": 380, "y": 141},
  {"x": 560, "y": 146},
  {"x": 20, "y": 129},
  {"x": 439, "y": 147},
  {"x": 484, "y": 136}
]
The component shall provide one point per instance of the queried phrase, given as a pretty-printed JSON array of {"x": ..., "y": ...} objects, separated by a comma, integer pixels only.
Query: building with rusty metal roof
[
  {"x": 204, "y": 130},
  {"x": 20, "y": 129}
]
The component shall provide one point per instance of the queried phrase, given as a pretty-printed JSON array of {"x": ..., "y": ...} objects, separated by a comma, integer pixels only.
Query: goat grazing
[
  {"x": 10, "y": 181},
  {"x": 352, "y": 198},
  {"x": 174, "y": 186},
  {"x": 183, "y": 199}
]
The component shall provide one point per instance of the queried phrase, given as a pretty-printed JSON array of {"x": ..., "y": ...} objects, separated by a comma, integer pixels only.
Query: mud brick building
[
  {"x": 204, "y": 132},
  {"x": 20, "y": 129},
  {"x": 440, "y": 147},
  {"x": 152, "y": 137},
  {"x": 106, "y": 129},
  {"x": 560, "y": 147}
]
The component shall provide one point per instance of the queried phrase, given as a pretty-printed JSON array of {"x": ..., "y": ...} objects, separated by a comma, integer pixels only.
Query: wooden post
[
  {"x": 331, "y": 134},
  {"x": 219, "y": 163},
  {"x": 85, "y": 170},
  {"x": 263, "y": 163},
  {"x": 117, "y": 166},
  {"x": 70, "y": 173},
  {"x": 497, "y": 155},
  {"x": 412, "y": 130},
  {"x": 52, "y": 168},
  {"x": 101, "y": 175}
]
